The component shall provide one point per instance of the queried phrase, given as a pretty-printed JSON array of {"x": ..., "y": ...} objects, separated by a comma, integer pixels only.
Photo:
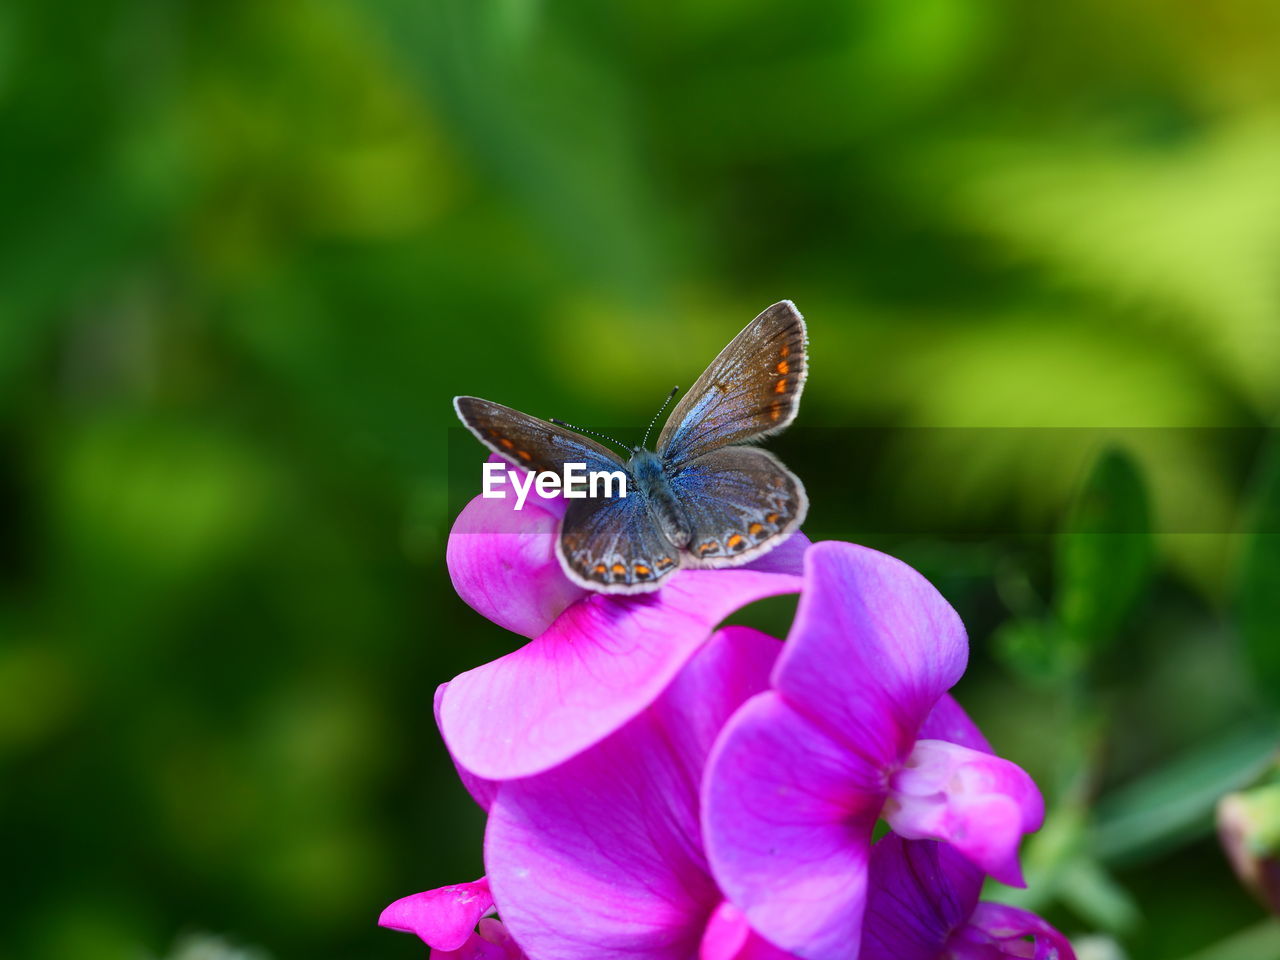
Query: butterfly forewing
[
  {"x": 614, "y": 545},
  {"x": 740, "y": 503},
  {"x": 752, "y": 389},
  {"x": 529, "y": 442}
]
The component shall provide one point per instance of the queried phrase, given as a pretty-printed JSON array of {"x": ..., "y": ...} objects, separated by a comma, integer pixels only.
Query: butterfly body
[
  {"x": 702, "y": 498},
  {"x": 653, "y": 485}
]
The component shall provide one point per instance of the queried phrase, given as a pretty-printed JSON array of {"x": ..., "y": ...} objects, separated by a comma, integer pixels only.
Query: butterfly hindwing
[
  {"x": 740, "y": 503},
  {"x": 531, "y": 443},
  {"x": 613, "y": 545},
  {"x": 752, "y": 389}
]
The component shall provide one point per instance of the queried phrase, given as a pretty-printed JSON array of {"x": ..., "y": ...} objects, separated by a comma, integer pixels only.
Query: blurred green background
[{"x": 249, "y": 250}]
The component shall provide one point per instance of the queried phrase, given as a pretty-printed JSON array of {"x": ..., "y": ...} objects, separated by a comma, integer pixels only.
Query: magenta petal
[
  {"x": 602, "y": 662},
  {"x": 726, "y": 934},
  {"x": 948, "y": 721},
  {"x": 729, "y": 937},
  {"x": 481, "y": 790},
  {"x": 979, "y": 803},
  {"x": 444, "y": 918},
  {"x": 787, "y": 818},
  {"x": 872, "y": 649},
  {"x": 503, "y": 564},
  {"x": 601, "y": 857},
  {"x": 1007, "y": 926},
  {"x": 478, "y": 948},
  {"x": 921, "y": 893},
  {"x": 787, "y": 557}
]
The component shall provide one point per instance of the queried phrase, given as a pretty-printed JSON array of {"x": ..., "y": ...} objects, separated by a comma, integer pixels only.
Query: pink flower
[
  {"x": 594, "y": 660},
  {"x": 453, "y": 922},
  {"x": 602, "y": 857},
  {"x": 923, "y": 905},
  {"x": 845, "y": 736}
]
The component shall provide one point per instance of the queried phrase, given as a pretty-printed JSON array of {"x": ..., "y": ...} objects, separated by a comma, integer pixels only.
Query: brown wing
[
  {"x": 740, "y": 503},
  {"x": 752, "y": 389},
  {"x": 613, "y": 545},
  {"x": 531, "y": 443}
]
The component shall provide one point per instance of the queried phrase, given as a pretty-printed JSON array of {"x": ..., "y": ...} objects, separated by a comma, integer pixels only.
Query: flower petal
[
  {"x": 730, "y": 937},
  {"x": 787, "y": 816},
  {"x": 444, "y": 918},
  {"x": 1005, "y": 926},
  {"x": 478, "y": 948},
  {"x": 921, "y": 892},
  {"x": 948, "y": 721},
  {"x": 873, "y": 648},
  {"x": 979, "y": 803},
  {"x": 602, "y": 662},
  {"x": 786, "y": 557},
  {"x": 602, "y": 856},
  {"x": 502, "y": 562},
  {"x": 481, "y": 790}
]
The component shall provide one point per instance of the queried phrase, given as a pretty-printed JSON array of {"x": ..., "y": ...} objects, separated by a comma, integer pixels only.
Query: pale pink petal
[
  {"x": 602, "y": 662},
  {"x": 873, "y": 648},
  {"x": 979, "y": 803},
  {"x": 481, "y": 790},
  {"x": 503, "y": 564},
  {"x": 601, "y": 857},
  {"x": 444, "y": 918},
  {"x": 921, "y": 892},
  {"x": 787, "y": 818}
]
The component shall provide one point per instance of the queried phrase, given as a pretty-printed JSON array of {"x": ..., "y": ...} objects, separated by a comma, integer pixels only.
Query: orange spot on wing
[
  {"x": 775, "y": 412},
  {"x": 601, "y": 568},
  {"x": 780, "y": 386},
  {"x": 642, "y": 570},
  {"x": 783, "y": 367},
  {"x": 755, "y": 529},
  {"x": 784, "y": 351},
  {"x": 506, "y": 443},
  {"x": 664, "y": 562},
  {"x": 736, "y": 541},
  {"x": 618, "y": 570},
  {"x": 524, "y": 454},
  {"x": 708, "y": 546},
  {"x": 772, "y": 518}
]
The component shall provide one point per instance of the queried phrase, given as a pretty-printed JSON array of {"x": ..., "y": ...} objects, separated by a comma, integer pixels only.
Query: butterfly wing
[
  {"x": 740, "y": 503},
  {"x": 609, "y": 544},
  {"x": 531, "y": 443},
  {"x": 752, "y": 389},
  {"x": 613, "y": 545}
]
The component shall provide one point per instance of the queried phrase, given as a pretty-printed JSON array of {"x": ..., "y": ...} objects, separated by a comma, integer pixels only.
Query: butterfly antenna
[
  {"x": 591, "y": 433},
  {"x": 648, "y": 429}
]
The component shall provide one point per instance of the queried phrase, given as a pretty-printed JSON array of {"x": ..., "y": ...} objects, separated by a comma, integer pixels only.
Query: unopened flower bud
[{"x": 1249, "y": 826}]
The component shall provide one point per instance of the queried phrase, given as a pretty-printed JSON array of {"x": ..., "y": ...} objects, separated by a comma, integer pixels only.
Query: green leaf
[
  {"x": 1176, "y": 803},
  {"x": 1104, "y": 556},
  {"x": 1259, "y": 587},
  {"x": 1094, "y": 894}
]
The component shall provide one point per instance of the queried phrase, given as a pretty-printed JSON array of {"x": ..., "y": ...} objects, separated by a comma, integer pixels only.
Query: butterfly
[{"x": 700, "y": 499}]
